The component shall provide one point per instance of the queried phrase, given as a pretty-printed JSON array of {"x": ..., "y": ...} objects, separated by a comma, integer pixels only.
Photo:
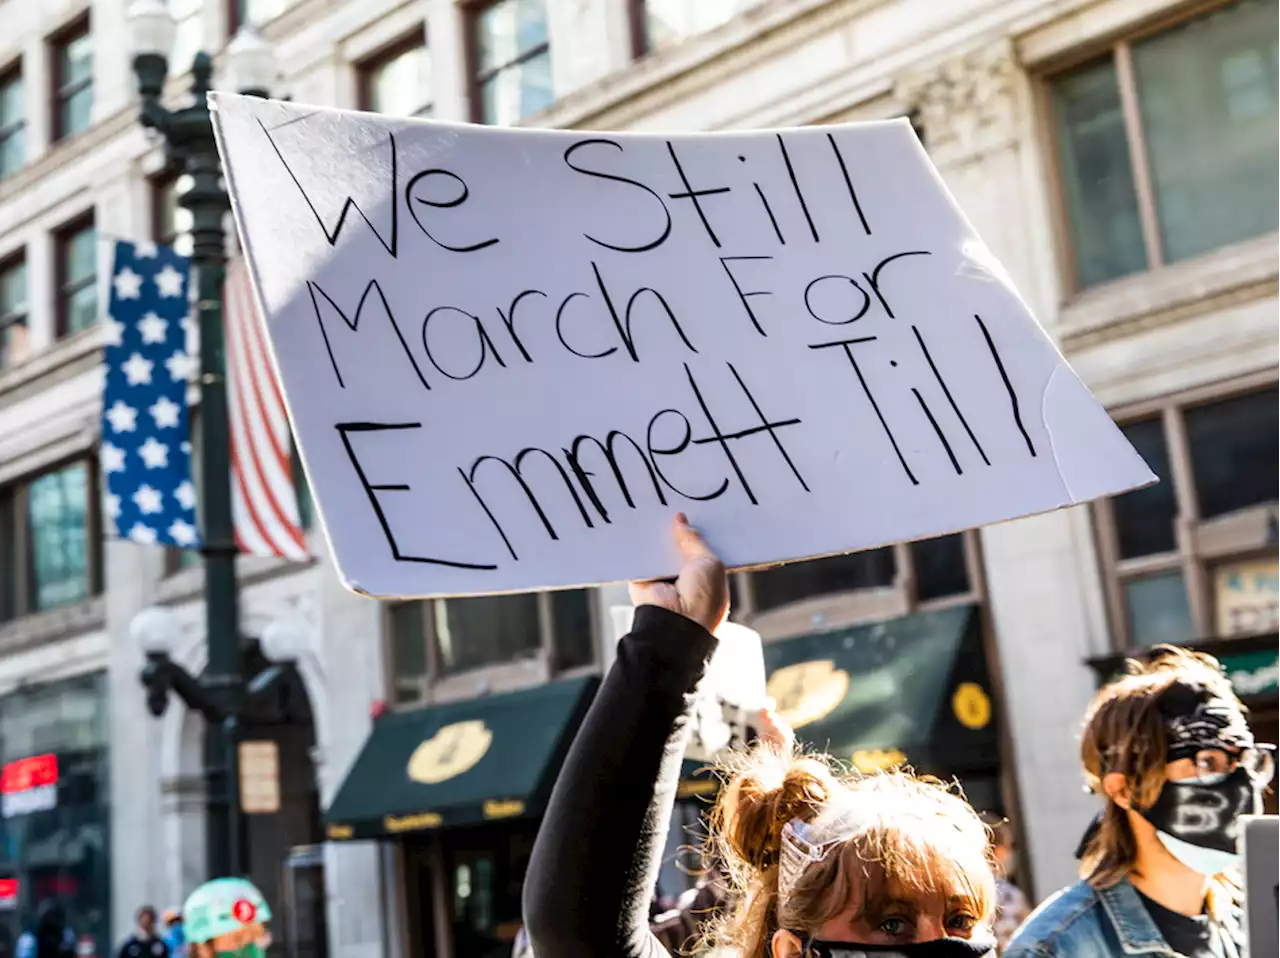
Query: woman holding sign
[{"x": 821, "y": 867}]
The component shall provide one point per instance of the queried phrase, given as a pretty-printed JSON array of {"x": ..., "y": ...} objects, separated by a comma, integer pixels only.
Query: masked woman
[
  {"x": 1168, "y": 748},
  {"x": 820, "y": 867}
]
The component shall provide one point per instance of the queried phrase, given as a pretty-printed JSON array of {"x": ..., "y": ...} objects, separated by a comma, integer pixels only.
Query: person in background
[
  {"x": 1012, "y": 906},
  {"x": 174, "y": 936},
  {"x": 144, "y": 942},
  {"x": 52, "y": 936},
  {"x": 1169, "y": 749}
]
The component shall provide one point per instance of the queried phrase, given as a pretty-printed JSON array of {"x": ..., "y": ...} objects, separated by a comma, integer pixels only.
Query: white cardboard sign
[{"x": 510, "y": 355}]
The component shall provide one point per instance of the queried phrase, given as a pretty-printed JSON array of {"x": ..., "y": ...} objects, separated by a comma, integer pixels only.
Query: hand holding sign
[
  {"x": 508, "y": 355},
  {"x": 701, "y": 590}
]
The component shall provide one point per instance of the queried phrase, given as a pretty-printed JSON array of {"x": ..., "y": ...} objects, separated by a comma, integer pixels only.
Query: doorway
[
  {"x": 485, "y": 868},
  {"x": 275, "y": 844}
]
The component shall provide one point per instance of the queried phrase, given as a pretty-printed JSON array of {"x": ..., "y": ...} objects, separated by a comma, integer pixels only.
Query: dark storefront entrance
[
  {"x": 471, "y": 880},
  {"x": 54, "y": 825},
  {"x": 461, "y": 787}
]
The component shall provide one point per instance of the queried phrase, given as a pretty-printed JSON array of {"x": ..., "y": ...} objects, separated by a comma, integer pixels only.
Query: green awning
[
  {"x": 913, "y": 689},
  {"x": 461, "y": 763}
]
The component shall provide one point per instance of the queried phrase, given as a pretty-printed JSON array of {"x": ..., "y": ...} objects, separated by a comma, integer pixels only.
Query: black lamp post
[{"x": 218, "y": 694}]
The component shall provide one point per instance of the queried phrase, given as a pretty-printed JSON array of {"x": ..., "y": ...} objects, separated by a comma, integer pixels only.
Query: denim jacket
[{"x": 1085, "y": 922}]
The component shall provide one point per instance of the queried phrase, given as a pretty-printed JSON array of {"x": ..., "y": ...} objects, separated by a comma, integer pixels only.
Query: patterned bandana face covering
[
  {"x": 1194, "y": 722},
  {"x": 938, "y": 948},
  {"x": 1198, "y": 820}
]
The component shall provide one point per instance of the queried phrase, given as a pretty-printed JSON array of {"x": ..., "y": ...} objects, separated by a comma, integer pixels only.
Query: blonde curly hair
[{"x": 918, "y": 836}]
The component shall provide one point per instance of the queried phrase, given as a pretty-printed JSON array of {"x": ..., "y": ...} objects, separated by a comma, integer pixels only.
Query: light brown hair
[
  {"x": 1124, "y": 732},
  {"x": 923, "y": 839}
]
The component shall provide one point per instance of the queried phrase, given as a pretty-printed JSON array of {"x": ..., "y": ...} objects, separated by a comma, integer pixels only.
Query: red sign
[
  {"x": 243, "y": 911},
  {"x": 8, "y": 893},
  {"x": 29, "y": 773}
]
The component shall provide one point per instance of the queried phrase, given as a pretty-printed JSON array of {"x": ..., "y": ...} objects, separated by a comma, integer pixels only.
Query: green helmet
[{"x": 221, "y": 907}]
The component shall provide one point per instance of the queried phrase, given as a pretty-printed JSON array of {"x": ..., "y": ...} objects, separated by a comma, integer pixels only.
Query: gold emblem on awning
[
  {"x": 808, "y": 691},
  {"x": 971, "y": 705},
  {"x": 453, "y": 750}
]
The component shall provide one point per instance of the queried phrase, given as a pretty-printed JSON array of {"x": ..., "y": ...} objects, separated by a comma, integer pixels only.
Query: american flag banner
[
  {"x": 263, "y": 496},
  {"x": 146, "y": 448}
]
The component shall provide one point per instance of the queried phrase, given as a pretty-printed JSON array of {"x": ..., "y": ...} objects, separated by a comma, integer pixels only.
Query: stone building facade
[{"x": 1149, "y": 257}]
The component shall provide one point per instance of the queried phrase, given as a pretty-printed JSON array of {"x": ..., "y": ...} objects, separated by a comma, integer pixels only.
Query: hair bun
[{"x": 762, "y": 797}]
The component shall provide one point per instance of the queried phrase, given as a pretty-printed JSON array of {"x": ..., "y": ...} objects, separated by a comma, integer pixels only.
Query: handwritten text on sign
[{"x": 509, "y": 356}]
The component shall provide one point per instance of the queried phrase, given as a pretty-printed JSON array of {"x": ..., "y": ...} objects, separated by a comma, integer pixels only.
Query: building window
[
  {"x": 13, "y": 121},
  {"x": 1144, "y": 519},
  {"x": 51, "y": 540},
  {"x": 774, "y": 588},
  {"x": 657, "y": 24},
  {"x": 1167, "y": 144},
  {"x": 1233, "y": 453},
  {"x": 254, "y": 12},
  {"x": 445, "y": 637},
  {"x": 872, "y": 584},
  {"x": 13, "y": 312},
  {"x": 397, "y": 82},
  {"x": 171, "y": 222},
  {"x": 72, "y": 80},
  {"x": 1193, "y": 557},
  {"x": 188, "y": 34},
  {"x": 77, "y": 277},
  {"x": 512, "y": 59}
]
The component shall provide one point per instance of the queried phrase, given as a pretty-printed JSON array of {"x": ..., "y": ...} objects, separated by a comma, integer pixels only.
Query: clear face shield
[{"x": 806, "y": 843}]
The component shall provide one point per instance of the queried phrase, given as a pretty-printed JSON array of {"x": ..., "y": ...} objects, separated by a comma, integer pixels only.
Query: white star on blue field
[{"x": 145, "y": 454}]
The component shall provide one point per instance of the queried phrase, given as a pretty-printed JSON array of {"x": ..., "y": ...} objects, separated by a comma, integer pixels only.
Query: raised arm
[{"x": 596, "y": 859}]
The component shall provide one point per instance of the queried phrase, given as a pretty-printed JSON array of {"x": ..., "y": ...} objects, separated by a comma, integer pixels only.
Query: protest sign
[{"x": 510, "y": 355}]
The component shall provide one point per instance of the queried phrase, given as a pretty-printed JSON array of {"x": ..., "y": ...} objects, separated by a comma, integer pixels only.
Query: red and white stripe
[{"x": 264, "y": 502}]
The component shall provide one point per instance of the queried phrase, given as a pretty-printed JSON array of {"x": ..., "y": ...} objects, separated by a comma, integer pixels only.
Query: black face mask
[
  {"x": 1206, "y": 814},
  {"x": 938, "y": 948}
]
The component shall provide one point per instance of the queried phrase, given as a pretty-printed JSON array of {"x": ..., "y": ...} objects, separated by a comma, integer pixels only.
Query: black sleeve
[{"x": 596, "y": 858}]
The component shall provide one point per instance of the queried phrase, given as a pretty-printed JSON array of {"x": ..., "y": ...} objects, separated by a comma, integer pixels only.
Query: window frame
[
  {"x": 476, "y": 78},
  {"x": 59, "y": 90},
  {"x": 436, "y": 685},
  {"x": 638, "y": 20},
  {"x": 235, "y": 19},
  {"x": 636, "y": 25},
  {"x": 158, "y": 187},
  {"x": 1116, "y": 46},
  {"x": 18, "y": 596},
  {"x": 1199, "y": 544},
  {"x": 62, "y": 288},
  {"x": 367, "y": 68},
  {"x": 836, "y": 610},
  {"x": 10, "y": 73},
  {"x": 15, "y": 260}
]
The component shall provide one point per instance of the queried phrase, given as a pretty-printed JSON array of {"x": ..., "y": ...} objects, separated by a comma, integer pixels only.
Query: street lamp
[
  {"x": 155, "y": 631},
  {"x": 190, "y": 146}
]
